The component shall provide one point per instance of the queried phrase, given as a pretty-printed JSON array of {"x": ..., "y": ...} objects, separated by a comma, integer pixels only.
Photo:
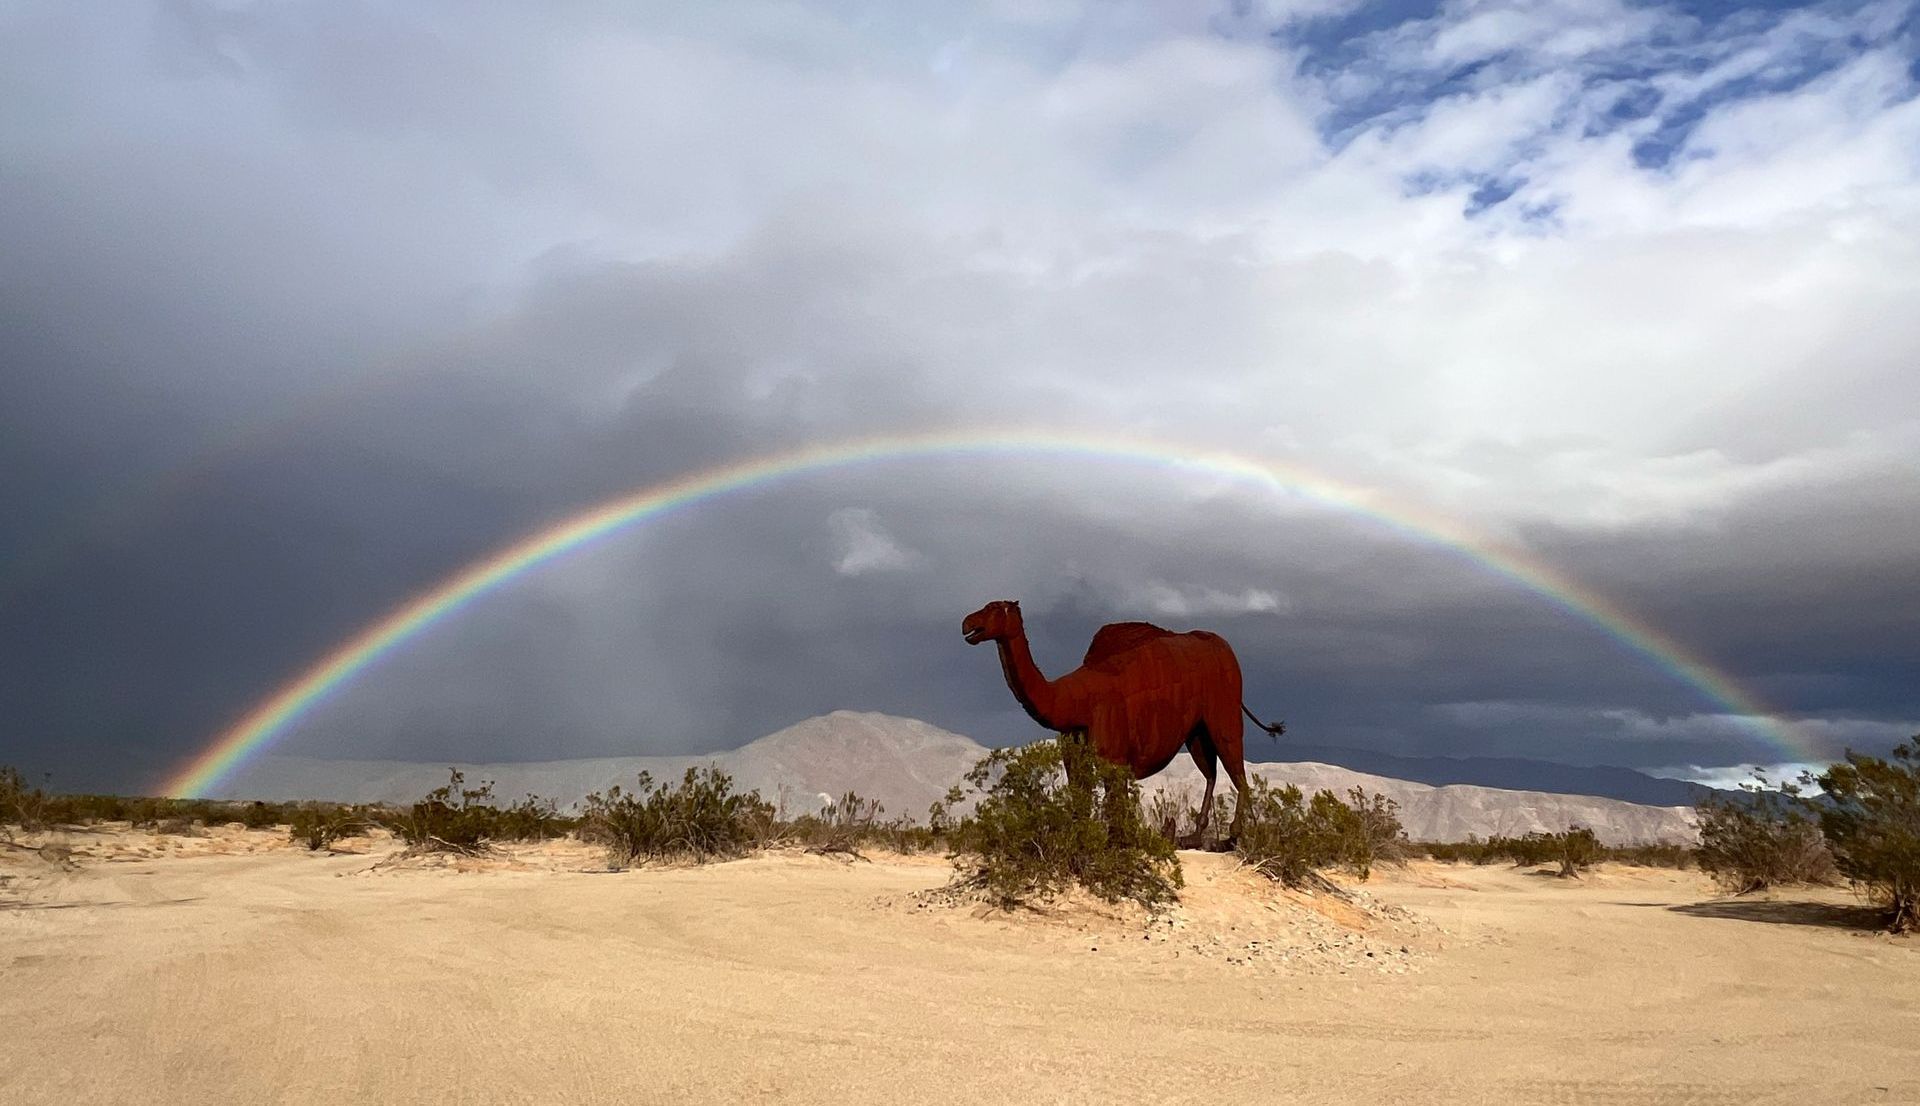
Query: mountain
[
  {"x": 903, "y": 762},
  {"x": 1455, "y": 811},
  {"x": 1511, "y": 773},
  {"x": 907, "y": 764}
]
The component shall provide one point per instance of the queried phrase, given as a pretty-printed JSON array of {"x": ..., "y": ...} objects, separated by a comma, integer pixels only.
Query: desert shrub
[
  {"x": 21, "y": 804},
  {"x": 259, "y": 815},
  {"x": 144, "y": 813},
  {"x": 699, "y": 819},
  {"x": 176, "y": 816},
  {"x": 1290, "y": 837},
  {"x": 941, "y": 819},
  {"x": 846, "y": 824},
  {"x": 457, "y": 818},
  {"x": 319, "y": 825},
  {"x": 904, "y": 835},
  {"x": 1175, "y": 815},
  {"x": 1871, "y": 820},
  {"x": 1537, "y": 848},
  {"x": 1285, "y": 836},
  {"x": 83, "y": 810},
  {"x": 1656, "y": 855},
  {"x": 1578, "y": 848},
  {"x": 1530, "y": 850},
  {"x": 1754, "y": 841},
  {"x": 1366, "y": 830},
  {"x": 1052, "y": 815},
  {"x": 531, "y": 819},
  {"x": 1168, "y": 810},
  {"x": 1474, "y": 850},
  {"x": 1471, "y": 851},
  {"x": 451, "y": 818}
]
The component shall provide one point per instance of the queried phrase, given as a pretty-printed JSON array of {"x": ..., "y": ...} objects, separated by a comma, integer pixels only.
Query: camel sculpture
[{"x": 1141, "y": 693}]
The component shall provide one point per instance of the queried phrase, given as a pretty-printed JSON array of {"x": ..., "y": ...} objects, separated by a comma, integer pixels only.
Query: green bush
[
  {"x": 457, "y": 818},
  {"x": 450, "y": 818},
  {"x": 259, "y": 815},
  {"x": 1285, "y": 837},
  {"x": 1186, "y": 832},
  {"x": 842, "y": 828},
  {"x": 1871, "y": 820},
  {"x": 700, "y": 819},
  {"x": 181, "y": 817},
  {"x": 851, "y": 823},
  {"x": 1659, "y": 855},
  {"x": 1169, "y": 812},
  {"x": 532, "y": 819},
  {"x": 1365, "y": 829},
  {"x": 1578, "y": 849},
  {"x": 1291, "y": 838},
  {"x": 940, "y": 817},
  {"x": 1052, "y": 815},
  {"x": 904, "y": 835},
  {"x": 1532, "y": 849},
  {"x": 21, "y": 804},
  {"x": 1761, "y": 839},
  {"x": 1574, "y": 849},
  {"x": 319, "y": 825}
]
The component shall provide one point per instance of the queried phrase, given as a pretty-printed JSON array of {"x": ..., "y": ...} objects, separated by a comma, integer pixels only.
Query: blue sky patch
[{"x": 1376, "y": 65}]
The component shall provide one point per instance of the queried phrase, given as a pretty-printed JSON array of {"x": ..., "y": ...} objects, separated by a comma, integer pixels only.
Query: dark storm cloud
[{"x": 731, "y": 621}]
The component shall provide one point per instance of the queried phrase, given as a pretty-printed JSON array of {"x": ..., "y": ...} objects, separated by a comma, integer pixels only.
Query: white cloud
[
  {"x": 1175, "y": 601},
  {"x": 862, "y": 545},
  {"x": 1133, "y": 221}
]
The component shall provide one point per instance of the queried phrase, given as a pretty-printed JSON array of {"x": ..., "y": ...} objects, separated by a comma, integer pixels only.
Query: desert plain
[{"x": 236, "y": 967}]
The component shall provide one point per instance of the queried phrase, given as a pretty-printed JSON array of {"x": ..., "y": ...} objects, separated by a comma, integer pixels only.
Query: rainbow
[{"x": 260, "y": 726}]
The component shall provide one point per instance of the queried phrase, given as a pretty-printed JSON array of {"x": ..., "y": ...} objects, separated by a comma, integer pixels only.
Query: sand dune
[{"x": 233, "y": 969}]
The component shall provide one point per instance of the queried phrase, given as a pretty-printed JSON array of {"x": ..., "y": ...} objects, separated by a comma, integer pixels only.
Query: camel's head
[{"x": 997, "y": 621}]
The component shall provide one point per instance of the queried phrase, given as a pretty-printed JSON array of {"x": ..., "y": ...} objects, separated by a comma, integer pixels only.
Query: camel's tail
[{"x": 1276, "y": 729}]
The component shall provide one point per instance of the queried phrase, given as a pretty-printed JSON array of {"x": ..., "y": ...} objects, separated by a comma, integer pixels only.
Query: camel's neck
[{"x": 1033, "y": 690}]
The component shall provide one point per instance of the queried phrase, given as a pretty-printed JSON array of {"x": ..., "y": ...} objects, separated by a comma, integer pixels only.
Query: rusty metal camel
[{"x": 1141, "y": 693}]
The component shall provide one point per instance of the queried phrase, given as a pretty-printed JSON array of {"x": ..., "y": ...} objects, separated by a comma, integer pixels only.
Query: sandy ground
[{"x": 234, "y": 969}]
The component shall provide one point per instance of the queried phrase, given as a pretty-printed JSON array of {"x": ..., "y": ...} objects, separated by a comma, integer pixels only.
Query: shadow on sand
[{"x": 1823, "y": 915}]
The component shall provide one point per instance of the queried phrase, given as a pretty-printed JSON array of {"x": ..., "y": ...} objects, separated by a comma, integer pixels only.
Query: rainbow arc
[{"x": 300, "y": 695}]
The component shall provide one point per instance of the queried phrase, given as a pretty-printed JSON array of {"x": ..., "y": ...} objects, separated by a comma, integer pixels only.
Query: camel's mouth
[{"x": 974, "y": 634}]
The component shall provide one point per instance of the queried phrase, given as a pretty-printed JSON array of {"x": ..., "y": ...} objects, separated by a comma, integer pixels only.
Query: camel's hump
[{"x": 1117, "y": 637}]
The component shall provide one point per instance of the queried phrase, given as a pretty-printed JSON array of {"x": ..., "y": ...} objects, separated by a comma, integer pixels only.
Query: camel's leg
[
  {"x": 1228, "y": 741},
  {"x": 1202, "y": 751}
]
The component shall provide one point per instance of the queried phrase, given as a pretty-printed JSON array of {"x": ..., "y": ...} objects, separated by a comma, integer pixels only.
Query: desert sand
[{"x": 236, "y": 969}]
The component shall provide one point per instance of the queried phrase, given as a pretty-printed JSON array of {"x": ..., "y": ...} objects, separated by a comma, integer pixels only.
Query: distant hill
[
  {"x": 903, "y": 762},
  {"x": 1455, "y": 811},
  {"x": 1512, "y": 773},
  {"x": 907, "y": 764}
]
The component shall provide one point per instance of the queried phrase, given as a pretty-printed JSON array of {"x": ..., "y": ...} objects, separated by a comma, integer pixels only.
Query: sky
[{"x": 305, "y": 306}]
